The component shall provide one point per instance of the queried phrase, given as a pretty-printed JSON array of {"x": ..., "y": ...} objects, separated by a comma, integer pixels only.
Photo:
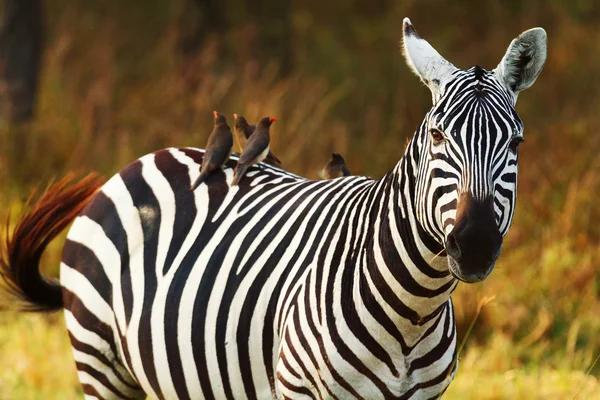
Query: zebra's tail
[{"x": 20, "y": 253}]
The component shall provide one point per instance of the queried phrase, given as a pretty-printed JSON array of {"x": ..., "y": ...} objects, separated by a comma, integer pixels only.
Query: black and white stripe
[
  {"x": 279, "y": 288},
  {"x": 479, "y": 121}
]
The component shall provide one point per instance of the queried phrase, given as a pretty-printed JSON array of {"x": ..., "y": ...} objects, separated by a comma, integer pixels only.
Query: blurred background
[{"x": 93, "y": 85}]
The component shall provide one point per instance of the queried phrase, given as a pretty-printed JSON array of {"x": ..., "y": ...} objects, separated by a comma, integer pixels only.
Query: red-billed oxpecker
[
  {"x": 255, "y": 150},
  {"x": 218, "y": 149}
]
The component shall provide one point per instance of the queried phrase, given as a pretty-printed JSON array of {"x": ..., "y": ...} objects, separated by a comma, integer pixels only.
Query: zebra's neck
[{"x": 399, "y": 267}]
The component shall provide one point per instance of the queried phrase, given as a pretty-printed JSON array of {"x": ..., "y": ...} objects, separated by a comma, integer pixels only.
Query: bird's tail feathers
[
  {"x": 240, "y": 171},
  {"x": 198, "y": 182}
]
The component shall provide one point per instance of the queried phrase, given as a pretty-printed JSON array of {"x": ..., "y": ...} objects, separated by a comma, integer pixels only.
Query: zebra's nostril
[{"x": 452, "y": 247}]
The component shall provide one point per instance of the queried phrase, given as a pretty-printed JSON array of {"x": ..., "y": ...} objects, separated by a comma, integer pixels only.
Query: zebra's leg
[{"x": 101, "y": 372}]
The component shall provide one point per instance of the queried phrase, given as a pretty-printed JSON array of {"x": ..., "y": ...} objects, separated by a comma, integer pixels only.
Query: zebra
[{"x": 283, "y": 287}]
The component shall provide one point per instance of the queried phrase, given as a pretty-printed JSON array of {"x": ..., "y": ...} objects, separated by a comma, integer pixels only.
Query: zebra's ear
[
  {"x": 423, "y": 59},
  {"x": 523, "y": 61}
]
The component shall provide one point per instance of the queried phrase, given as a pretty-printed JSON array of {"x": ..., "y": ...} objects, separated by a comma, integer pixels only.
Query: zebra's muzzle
[
  {"x": 475, "y": 242},
  {"x": 455, "y": 270}
]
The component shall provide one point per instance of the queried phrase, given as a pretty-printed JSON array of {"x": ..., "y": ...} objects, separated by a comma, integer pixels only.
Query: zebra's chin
[{"x": 455, "y": 269}]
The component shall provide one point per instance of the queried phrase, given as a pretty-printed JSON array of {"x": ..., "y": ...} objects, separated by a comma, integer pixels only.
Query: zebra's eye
[
  {"x": 514, "y": 143},
  {"x": 436, "y": 135}
]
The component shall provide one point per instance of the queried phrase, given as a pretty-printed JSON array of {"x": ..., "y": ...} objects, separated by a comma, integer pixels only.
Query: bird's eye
[
  {"x": 436, "y": 135},
  {"x": 514, "y": 144}
]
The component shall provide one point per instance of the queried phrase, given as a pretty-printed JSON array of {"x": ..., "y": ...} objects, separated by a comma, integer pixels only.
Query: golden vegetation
[{"x": 115, "y": 86}]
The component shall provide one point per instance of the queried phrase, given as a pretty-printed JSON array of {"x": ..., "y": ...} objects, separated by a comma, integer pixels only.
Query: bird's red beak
[
  {"x": 216, "y": 114},
  {"x": 272, "y": 119},
  {"x": 235, "y": 116}
]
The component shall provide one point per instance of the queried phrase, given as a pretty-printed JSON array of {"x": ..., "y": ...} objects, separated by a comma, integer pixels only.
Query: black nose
[
  {"x": 452, "y": 247},
  {"x": 475, "y": 242}
]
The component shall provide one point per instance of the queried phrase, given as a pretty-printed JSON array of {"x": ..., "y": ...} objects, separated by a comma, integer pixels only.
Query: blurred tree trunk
[
  {"x": 20, "y": 55},
  {"x": 21, "y": 40}
]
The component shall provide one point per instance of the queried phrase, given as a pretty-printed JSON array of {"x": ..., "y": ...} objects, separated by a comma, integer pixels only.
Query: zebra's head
[{"x": 465, "y": 151}]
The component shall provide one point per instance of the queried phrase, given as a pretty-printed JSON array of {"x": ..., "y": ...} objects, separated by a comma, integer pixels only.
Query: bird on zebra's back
[
  {"x": 335, "y": 168},
  {"x": 255, "y": 150},
  {"x": 243, "y": 130},
  {"x": 218, "y": 149}
]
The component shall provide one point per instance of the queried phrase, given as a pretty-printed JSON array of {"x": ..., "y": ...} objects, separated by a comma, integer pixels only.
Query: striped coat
[{"x": 272, "y": 288}]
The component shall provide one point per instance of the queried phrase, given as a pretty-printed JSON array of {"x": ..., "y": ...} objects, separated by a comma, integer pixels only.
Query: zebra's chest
[
  {"x": 328, "y": 370},
  {"x": 329, "y": 358}
]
